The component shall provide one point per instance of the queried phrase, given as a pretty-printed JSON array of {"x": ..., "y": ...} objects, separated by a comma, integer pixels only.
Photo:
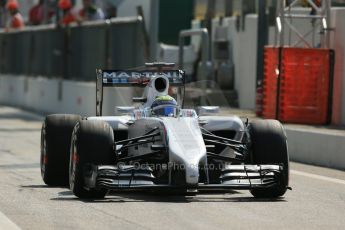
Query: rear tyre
[
  {"x": 55, "y": 146},
  {"x": 92, "y": 143},
  {"x": 269, "y": 146}
]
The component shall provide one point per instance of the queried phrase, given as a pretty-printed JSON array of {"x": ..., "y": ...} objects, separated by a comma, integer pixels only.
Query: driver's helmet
[{"x": 164, "y": 106}]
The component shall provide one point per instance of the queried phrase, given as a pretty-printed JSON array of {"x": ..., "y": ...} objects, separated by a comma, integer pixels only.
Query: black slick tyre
[
  {"x": 92, "y": 144},
  {"x": 55, "y": 146},
  {"x": 269, "y": 146}
]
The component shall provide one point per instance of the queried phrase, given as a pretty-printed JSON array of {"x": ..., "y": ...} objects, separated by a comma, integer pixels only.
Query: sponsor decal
[{"x": 118, "y": 77}]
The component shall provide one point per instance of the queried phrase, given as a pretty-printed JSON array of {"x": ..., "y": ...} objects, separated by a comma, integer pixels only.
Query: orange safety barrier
[{"x": 297, "y": 80}]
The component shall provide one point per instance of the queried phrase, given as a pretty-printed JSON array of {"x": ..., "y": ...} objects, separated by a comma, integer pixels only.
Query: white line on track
[
  {"x": 324, "y": 178},
  {"x": 6, "y": 223}
]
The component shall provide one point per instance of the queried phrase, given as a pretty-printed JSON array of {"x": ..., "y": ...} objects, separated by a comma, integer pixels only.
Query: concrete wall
[
  {"x": 42, "y": 95},
  {"x": 316, "y": 146}
]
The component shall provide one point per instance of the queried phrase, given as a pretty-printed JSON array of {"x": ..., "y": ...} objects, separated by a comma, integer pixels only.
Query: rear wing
[
  {"x": 125, "y": 78},
  {"x": 129, "y": 78}
]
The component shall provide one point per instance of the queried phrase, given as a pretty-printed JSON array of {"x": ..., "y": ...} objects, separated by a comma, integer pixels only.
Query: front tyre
[
  {"x": 269, "y": 146},
  {"x": 92, "y": 144}
]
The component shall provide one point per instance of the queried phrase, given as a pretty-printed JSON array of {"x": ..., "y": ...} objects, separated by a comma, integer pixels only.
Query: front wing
[{"x": 232, "y": 177}]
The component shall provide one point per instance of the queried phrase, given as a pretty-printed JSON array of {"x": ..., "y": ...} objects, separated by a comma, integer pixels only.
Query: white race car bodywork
[
  {"x": 182, "y": 135},
  {"x": 186, "y": 146}
]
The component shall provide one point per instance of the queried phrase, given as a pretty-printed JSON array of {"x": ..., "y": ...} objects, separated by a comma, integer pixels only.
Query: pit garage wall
[
  {"x": 59, "y": 96},
  {"x": 244, "y": 52}
]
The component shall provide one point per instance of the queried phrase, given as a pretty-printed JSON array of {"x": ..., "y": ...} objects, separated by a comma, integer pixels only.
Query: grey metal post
[
  {"x": 45, "y": 12},
  {"x": 206, "y": 67},
  {"x": 228, "y": 8},
  {"x": 281, "y": 20},
  {"x": 327, "y": 4},
  {"x": 154, "y": 24},
  {"x": 262, "y": 40}
]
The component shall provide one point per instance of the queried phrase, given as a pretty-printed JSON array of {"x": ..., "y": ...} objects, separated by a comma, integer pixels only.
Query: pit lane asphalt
[{"x": 316, "y": 201}]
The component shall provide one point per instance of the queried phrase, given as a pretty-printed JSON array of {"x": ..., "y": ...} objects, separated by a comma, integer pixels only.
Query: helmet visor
[{"x": 167, "y": 111}]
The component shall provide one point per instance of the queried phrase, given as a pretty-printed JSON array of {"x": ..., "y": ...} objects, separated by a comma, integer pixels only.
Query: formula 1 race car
[{"x": 160, "y": 145}]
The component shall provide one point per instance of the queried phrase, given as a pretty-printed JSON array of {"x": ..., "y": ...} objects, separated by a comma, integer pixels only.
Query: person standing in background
[
  {"x": 69, "y": 15},
  {"x": 109, "y": 8},
  {"x": 39, "y": 12},
  {"x": 36, "y": 13},
  {"x": 16, "y": 19},
  {"x": 90, "y": 11}
]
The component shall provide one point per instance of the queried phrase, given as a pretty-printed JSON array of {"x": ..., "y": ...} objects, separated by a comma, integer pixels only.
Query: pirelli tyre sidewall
[
  {"x": 92, "y": 144},
  {"x": 55, "y": 145},
  {"x": 269, "y": 146}
]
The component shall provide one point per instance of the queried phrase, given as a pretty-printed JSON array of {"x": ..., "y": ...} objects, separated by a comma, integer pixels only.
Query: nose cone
[{"x": 186, "y": 146}]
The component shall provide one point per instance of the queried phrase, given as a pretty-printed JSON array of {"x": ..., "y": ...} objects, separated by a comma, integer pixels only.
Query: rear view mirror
[
  {"x": 125, "y": 109},
  {"x": 204, "y": 110}
]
